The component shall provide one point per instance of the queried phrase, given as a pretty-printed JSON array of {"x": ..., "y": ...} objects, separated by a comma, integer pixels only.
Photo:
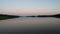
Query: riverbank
[
  {"x": 3, "y": 17},
  {"x": 56, "y": 16}
]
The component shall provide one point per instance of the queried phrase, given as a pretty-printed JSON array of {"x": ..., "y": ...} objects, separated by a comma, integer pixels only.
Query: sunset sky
[{"x": 19, "y": 7}]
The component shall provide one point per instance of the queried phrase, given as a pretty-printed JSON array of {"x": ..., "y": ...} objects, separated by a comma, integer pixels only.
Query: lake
[{"x": 29, "y": 24}]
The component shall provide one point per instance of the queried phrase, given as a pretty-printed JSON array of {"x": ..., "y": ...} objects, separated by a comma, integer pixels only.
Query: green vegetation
[{"x": 3, "y": 17}]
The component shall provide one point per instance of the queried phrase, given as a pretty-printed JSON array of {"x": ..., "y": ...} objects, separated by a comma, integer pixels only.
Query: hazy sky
[{"x": 29, "y": 6}]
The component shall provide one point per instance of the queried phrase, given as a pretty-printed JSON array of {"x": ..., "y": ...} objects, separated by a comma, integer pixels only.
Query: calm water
[{"x": 30, "y": 24}]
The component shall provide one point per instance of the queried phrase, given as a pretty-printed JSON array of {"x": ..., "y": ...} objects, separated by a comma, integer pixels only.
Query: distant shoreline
[
  {"x": 3, "y": 17},
  {"x": 56, "y": 16}
]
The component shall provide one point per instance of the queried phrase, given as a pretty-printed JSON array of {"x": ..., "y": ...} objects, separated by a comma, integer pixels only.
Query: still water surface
[{"x": 30, "y": 24}]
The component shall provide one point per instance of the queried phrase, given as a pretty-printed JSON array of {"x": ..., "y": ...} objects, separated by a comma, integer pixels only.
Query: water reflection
[{"x": 30, "y": 24}]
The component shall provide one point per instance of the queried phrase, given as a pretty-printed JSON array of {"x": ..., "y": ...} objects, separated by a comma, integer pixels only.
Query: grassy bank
[{"x": 2, "y": 17}]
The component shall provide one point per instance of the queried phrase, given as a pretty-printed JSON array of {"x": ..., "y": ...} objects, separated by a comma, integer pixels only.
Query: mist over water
[{"x": 30, "y": 24}]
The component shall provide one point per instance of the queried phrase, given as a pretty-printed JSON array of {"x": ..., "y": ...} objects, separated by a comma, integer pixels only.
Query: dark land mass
[
  {"x": 3, "y": 16},
  {"x": 56, "y": 16}
]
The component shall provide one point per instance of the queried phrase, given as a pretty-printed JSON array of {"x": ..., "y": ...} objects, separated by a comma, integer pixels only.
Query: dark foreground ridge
[
  {"x": 56, "y": 16},
  {"x": 3, "y": 16}
]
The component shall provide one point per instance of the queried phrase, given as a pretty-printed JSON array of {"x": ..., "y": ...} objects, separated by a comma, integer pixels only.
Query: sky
[{"x": 33, "y": 7}]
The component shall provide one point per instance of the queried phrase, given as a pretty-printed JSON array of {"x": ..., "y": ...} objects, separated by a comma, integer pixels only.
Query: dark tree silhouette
[{"x": 3, "y": 16}]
